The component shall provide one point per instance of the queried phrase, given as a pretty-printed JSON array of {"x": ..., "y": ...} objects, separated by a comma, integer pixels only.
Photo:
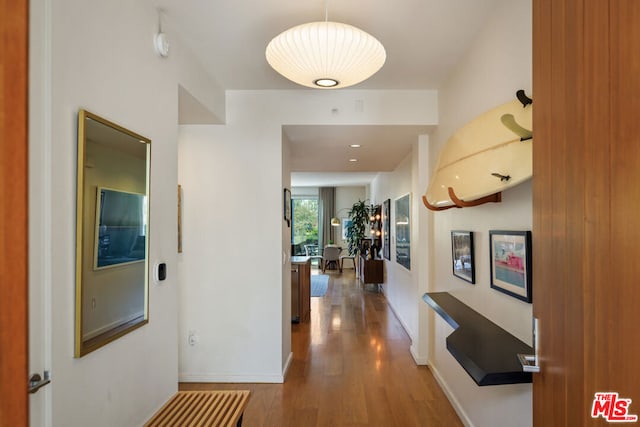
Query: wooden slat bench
[{"x": 221, "y": 408}]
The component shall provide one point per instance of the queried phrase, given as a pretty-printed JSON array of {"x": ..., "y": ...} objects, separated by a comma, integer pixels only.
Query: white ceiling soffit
[
  {"x": 328, "y": 148},
  {"x": 331, "y": 179},
  {"x": 192, "y": 112}
]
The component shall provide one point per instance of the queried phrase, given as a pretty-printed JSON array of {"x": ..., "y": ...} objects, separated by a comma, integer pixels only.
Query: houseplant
[{"x": 357, "y": 230}]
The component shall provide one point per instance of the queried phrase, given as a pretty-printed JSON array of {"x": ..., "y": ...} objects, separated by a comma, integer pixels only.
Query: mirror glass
[
  {"x": 112, "y": 232},
  {"x": 403, "y": 231}
]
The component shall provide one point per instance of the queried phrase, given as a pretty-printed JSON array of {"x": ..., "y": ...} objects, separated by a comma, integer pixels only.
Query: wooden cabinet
[
  {"x": 371, "y": 270},
  {"x": 300, "y": 289}
]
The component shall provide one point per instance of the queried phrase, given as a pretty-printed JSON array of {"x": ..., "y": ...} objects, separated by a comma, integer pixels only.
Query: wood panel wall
[
  {"x": 13, "y": 218},
  {"x": 586, "y": 201}
]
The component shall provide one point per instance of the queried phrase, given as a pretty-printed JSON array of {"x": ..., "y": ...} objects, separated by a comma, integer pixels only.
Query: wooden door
[
  {"x": 13, "y": 219},
  {"x": 586, "y": 202}
]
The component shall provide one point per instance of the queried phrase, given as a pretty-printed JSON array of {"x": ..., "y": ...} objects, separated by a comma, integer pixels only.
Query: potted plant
[{"x": 357, "y": 229}]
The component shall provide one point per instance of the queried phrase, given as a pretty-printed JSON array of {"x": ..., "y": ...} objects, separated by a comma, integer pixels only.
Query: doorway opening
[{"x": 304, "y": 236}]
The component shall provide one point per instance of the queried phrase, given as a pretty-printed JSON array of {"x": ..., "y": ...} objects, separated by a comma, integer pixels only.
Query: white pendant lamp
[{"x": 325, "y": 54}]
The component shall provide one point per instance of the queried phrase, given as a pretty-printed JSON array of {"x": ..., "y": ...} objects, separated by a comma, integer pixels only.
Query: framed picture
[
  {"x": 365, "y": 245},
  {"x": 386, "y": 229},
  {"x": 403, "y": 231},
  {"x": 346, "y": 222},
  {"x": 287, "y": 206},
  {"x": 511, "y": 263},
  {"x": 462, "y": 255}
]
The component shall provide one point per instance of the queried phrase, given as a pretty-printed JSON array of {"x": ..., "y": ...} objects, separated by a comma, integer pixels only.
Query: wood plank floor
[{"x": 351, "y": 367}]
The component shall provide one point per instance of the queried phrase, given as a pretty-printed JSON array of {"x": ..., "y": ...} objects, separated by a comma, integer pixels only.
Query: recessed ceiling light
[
  {"x": 354, "y": 145},
  {"x": 353, "y": 160}
]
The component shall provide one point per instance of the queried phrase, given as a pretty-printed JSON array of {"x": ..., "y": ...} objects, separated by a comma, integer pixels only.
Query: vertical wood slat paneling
[
  {"x": 597, "y": 257},
  {"x": 623, "y": 289},
  {"x": 13, "y": 218},
  {"x": 557, "y": 137},
  {"x": 586, "y": 199},
  {"x": 542, "y": 152},
  {"x": 549, "y": 154},
  {"x": 571, "y": 262}
]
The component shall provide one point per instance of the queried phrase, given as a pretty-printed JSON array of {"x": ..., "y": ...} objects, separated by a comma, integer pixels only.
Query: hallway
[{"x": 351, "y": 367}]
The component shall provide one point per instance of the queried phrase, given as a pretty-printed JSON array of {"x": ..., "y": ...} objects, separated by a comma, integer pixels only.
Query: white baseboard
[
  {"x": 404, "y": 326},
  {"x": 286, "y": 366},
  {"x": 416, "y": 358},
  {"x": 225, "y": 378},
  {"x": 452, "y": 398},
  {"x": 412, "y": 350}
]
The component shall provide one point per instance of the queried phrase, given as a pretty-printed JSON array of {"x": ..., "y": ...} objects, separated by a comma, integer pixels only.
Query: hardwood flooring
[{"x": 351, "y": 367}]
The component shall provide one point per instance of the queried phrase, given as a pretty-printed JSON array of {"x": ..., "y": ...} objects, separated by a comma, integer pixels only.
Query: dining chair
[
  {"x": 331, "y": 254},
  {"x": 312, "y": 252}
]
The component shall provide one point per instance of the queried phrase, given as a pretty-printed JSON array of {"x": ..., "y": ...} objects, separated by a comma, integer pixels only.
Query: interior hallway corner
[{"x": 351, "y": 367}]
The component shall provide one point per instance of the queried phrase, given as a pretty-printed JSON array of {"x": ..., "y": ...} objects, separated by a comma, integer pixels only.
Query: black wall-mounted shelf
[{"x": 486, "y": 351}]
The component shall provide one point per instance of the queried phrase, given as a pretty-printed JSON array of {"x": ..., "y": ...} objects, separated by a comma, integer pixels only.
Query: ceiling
[{"x": 424, "y": 40}]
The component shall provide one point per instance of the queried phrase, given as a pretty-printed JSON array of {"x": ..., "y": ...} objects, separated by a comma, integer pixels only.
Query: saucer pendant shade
[{"x": 325, "y": 55}]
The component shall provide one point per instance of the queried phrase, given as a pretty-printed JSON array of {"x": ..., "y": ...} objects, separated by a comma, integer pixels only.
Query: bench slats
[{"x": 220, "y": 408}]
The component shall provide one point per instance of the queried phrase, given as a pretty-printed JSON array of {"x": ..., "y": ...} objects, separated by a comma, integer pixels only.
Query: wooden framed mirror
[{"x": 112, "y": 232}]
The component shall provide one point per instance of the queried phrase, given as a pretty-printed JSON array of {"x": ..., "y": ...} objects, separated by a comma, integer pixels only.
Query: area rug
[{"x": 319, "y": 285}]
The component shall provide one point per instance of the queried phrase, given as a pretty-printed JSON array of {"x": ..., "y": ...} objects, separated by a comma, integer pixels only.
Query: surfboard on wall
[{"x": 488, "y": 155}]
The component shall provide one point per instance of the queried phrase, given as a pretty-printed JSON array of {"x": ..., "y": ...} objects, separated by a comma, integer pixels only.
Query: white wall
[
  {"x": 345, "y": 198},
  {"x": 287, "y": 355},
  {"x": 403, "y": 288},
  {"x": 233, "y": 281},
  {"x": 497, "y": 64},
  {"x": 400, "y": 283},
  {"x": 99, "y": 56},
  {"x": 231, "y": 268}
]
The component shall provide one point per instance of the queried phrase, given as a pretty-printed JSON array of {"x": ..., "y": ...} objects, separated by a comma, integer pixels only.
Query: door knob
[
  {"x": 529, "y": 362},
  {"x": 36, "y": 382}
]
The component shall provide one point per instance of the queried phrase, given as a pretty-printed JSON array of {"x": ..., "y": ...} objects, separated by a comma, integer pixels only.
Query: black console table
[{"x": 486, "y": 351}]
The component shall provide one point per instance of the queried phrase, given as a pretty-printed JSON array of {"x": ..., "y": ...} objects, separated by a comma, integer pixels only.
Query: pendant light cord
[
  {"x": 160, "y": 12},
  {"x": 326, "y": 10}
]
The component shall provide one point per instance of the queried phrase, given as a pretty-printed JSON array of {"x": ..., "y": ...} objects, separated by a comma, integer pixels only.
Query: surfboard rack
[
  {"x": 436, "y": 208},
  {"x": 510, "y": 123},
  {"x": 459, "y": 203},
  {"x": 491, "y": 198},
  {"x": 524, "y": 99}
]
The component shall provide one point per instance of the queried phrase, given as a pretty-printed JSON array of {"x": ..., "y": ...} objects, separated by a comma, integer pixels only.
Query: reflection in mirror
[
  {"x": 112, "y": 232},
  {"x": 403, "y": 231}
]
